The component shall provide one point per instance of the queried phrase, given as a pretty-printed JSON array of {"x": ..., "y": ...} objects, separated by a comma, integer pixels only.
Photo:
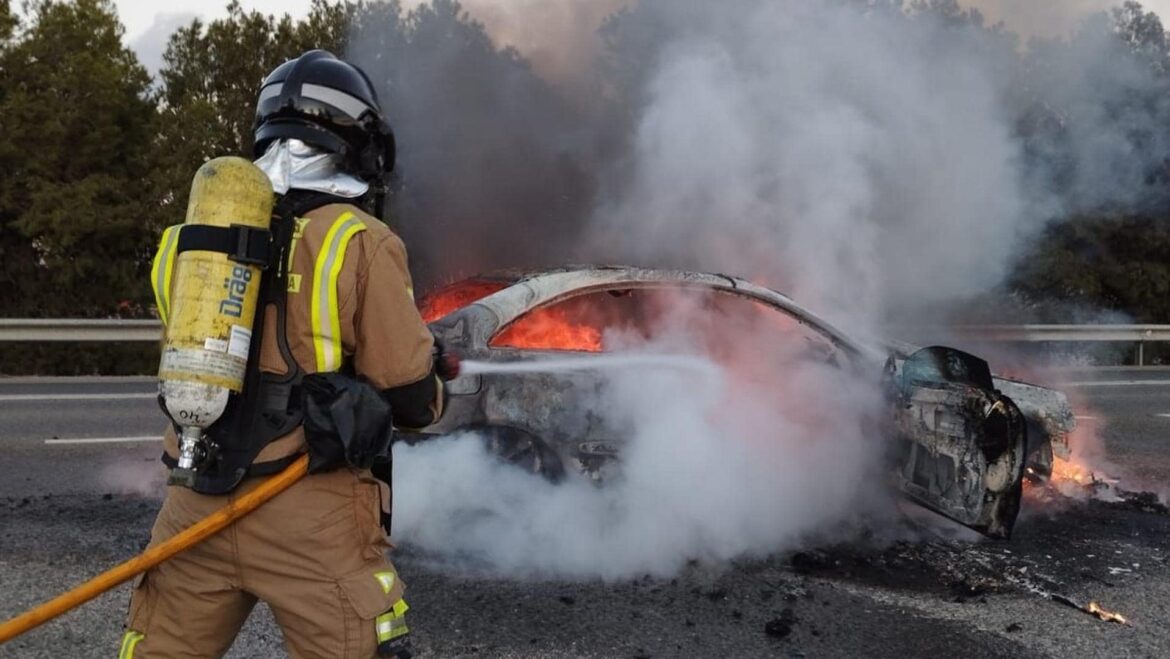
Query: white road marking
[
  {"x": 1164, "y": 416},
  {"x": 104, "y": 440},
  {"x": 13, "y": 398},
  {"x": 1118, "y": 383},
  {"x": 1086, "y": 418}
]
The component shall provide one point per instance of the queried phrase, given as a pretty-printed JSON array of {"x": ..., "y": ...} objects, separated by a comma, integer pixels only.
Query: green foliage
[
  {"x": 96, "y": 158},
  {"x": 1105, "y": 263},
  {"x": 78, "y": 126},
  {"x": 7, "y": 22},
  {"x": 211, "y": 74}
]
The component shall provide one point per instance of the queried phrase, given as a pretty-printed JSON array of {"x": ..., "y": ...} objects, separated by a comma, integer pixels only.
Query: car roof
[{"x": 547, "y": 284}]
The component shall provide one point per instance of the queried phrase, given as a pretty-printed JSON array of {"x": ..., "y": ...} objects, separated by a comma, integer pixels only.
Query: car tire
[{"x": 523, "y": 450}]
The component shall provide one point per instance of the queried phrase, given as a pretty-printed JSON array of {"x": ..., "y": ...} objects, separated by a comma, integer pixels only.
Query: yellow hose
[{"x": 198, "y": 532}]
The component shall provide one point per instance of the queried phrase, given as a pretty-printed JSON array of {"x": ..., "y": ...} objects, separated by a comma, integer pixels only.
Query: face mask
[{"x": 294, "y": 165}]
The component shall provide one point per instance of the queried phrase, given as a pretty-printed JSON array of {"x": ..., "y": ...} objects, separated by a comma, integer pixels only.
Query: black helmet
[{"x": 331, "y": 104}]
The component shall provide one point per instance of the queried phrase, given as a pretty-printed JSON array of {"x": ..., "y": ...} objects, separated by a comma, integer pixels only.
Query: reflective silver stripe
[
  {"x": 351, "y": 105},
  {"x": 390, "y": 625}
]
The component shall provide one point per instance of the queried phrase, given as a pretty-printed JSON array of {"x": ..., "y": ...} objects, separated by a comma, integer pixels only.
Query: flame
[
  {"x": 1068, "y": 471},
  {"x": 438, "y": 304},
  {"x": 1108, "y": 616},
  {"x": 543, "y": 329},
  {"x": 549, "y": 329}
]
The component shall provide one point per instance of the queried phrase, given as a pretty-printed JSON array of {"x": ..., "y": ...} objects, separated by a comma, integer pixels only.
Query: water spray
[{"x": 697, "y": 365}]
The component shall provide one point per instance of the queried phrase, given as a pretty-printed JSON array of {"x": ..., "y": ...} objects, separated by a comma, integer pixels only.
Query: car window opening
[
  {"x": 703, "y": 321},
  {"x": 439, "y": 303}
]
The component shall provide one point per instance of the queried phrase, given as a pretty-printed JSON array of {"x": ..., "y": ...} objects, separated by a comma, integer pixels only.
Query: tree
[
  {"x": 7, "y": 21},
  {"x": 1142, "y": 31},
  {"x": 1105, "y": 263},
  {"x": 78, "y": 124},
  {"x": 209, "y": 81}
]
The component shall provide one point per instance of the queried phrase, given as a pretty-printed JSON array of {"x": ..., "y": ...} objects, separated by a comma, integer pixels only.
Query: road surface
[{"x": 80, "y": 484}]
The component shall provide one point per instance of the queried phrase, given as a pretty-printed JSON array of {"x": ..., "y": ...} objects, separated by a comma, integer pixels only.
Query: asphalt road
[{"x": 79, "y": 486}]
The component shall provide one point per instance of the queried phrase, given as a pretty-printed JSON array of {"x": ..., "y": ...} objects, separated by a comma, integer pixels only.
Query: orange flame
[
  {"x": 1108, "y": 616},
  {"x": 1068, "y": 471},
  {"x": 549, "y": 329},
  {"x": 544, "y": 329},
  {"x": 434, "y": 306}
]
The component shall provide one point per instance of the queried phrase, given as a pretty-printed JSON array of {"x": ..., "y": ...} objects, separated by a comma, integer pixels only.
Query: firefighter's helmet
[{"x": 331, "y": 104}]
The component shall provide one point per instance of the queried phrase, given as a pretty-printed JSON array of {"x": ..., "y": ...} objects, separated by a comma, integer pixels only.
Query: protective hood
[{"x": 294, "y": 165}]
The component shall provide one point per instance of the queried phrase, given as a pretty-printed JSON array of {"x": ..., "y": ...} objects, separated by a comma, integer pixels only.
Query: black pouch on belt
[{"x": 346, "y": 422}]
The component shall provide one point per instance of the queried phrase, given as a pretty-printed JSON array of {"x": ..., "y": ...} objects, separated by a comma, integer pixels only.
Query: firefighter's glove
[
  {"x": 346, "y": 423},
  {"x": 447, "y": 362}
]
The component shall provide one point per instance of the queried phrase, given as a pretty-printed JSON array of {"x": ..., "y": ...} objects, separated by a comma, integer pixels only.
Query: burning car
[{"x": 961, "y": 440}]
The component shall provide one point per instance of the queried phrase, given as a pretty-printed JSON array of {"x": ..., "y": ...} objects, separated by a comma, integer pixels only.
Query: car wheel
[
  {"x": 1039, "y": 462},
  {"x": 523, "y": 450}
]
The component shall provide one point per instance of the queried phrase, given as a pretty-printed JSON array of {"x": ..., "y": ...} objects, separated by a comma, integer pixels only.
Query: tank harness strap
[
  {"x": 242, "y": 244},
  {"x": 270, "y": 405}
]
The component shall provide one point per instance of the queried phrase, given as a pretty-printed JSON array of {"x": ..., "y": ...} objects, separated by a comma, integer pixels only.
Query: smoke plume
[
  {"x": 862, "y": 158},
  {"x": 772, "y": 454},
  {"x": 868, "y": 160}
]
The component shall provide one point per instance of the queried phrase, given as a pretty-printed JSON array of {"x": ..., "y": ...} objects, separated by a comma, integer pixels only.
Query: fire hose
[{"x": 193, "y": 535}]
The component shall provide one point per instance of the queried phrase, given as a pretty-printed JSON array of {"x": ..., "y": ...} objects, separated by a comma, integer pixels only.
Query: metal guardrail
[
  {"x": 1057, "y": 333},
  {"x": 119, "y": 331},
  {"x": 1139, "y": 334},
  {"x": 79, "y": 330}
]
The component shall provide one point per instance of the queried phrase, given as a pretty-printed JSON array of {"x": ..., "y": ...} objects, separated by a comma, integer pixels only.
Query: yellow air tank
[{"x": 213, "y": 304}]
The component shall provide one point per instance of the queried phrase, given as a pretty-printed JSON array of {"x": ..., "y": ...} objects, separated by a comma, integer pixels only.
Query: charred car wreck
[{"x": 961, "y": 440}]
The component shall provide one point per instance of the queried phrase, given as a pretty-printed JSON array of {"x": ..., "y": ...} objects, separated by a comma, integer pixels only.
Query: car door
[{"x": 958, "y": 444}]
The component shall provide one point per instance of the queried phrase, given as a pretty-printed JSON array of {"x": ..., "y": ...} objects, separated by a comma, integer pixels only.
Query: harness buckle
[{"x": 251, "y": 245}]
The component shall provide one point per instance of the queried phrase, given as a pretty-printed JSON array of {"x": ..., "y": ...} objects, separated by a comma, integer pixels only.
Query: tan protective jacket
[{"x": 350, "y": 300}]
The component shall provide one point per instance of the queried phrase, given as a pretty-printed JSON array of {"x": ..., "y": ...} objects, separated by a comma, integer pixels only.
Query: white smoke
[
  {"x": 143, "y": 477},
  {"x": 853, "y": 159},
  {"x": 711, "y": 473},
  {"x": 867, "y": 161}
]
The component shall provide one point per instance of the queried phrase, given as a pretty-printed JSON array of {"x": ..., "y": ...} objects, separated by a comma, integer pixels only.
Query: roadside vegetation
[{"x": 96, "y": 156}]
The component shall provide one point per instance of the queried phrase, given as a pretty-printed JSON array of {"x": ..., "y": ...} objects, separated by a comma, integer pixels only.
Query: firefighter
[{"x": 342, "y": 307}]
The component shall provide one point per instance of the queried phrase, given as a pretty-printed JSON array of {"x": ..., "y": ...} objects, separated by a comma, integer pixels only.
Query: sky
[{"x": 149, "y": 23}]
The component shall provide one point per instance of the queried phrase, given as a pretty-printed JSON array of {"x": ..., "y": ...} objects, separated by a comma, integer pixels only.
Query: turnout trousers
[{"x": 316, "y": 553}]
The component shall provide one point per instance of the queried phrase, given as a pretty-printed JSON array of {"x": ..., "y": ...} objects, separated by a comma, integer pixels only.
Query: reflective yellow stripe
[
  {"x": 129, "y": 641},
  {"x": 324, "y": 306},
  {"x": 386, "y": 580},
  {"x": 392, "y": 624},
  {"x": 161, "y": 269}
]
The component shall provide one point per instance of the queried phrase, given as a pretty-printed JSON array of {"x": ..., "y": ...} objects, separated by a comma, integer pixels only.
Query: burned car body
[{"x": 960, "y": 438}]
